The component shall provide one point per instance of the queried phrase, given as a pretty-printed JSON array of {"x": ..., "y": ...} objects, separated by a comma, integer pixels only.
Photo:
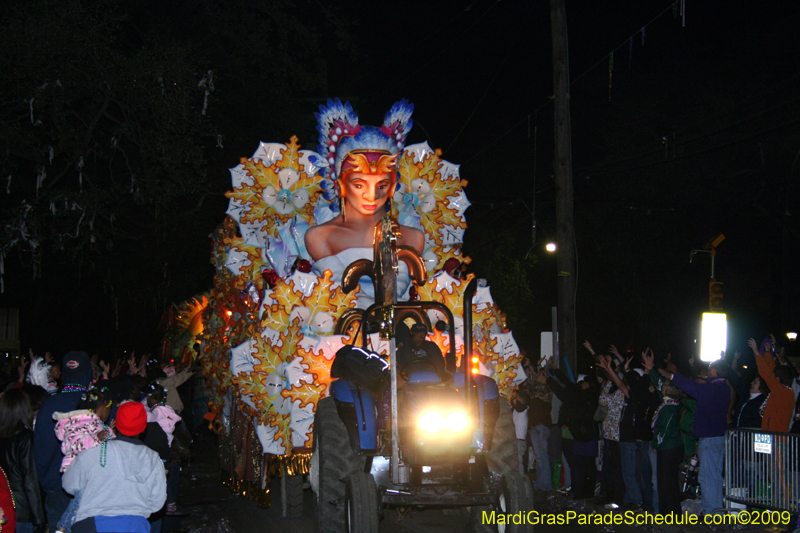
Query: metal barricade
[{"x": 762, "y": 470}]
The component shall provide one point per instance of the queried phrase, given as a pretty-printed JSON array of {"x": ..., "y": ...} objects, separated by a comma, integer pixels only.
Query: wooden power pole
[{"x": 565, "y": 227}]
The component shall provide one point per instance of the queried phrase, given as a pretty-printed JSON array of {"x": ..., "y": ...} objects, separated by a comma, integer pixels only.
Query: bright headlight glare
[
  {"x": 433, "y": 421},
  {"x": 457, "y": 421}
]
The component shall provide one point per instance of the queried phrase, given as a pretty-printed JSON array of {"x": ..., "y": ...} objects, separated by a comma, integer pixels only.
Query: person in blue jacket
[
  {"x": 710, "y": 423},
  {"x": 76, "y": 376}
]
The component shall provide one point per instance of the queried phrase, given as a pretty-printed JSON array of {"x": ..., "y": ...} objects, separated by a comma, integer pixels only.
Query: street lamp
[
  {"x": 550, "y": 247},
  {"x": 714, "y": 336},
  {"x": 792, "y": 336}
]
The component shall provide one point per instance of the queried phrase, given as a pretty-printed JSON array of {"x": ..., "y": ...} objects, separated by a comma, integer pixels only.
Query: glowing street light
[
  {"x": 792, "y": 336},
  {"x": 714, "y": 336},
  {"x": 550, "y": 247}
]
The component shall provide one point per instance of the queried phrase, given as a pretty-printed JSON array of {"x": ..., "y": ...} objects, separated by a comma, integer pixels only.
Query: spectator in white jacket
[{"x": 122, "y": 482}]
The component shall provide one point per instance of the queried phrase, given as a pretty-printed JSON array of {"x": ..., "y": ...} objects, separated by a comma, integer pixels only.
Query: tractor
[{"x": 431, "y": 441}]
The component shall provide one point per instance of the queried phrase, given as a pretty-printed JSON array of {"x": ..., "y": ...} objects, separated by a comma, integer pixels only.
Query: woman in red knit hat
[{"x": 122, "y": 483}]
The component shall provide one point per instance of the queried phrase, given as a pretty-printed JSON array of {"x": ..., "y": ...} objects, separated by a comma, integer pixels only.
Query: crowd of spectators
[
  {"x": 88, "y": 448},
  {"x": 630, "y": 432}
]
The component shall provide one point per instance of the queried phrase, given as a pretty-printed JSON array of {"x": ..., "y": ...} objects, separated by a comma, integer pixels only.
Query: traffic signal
[{"x": 715, "y": 296}]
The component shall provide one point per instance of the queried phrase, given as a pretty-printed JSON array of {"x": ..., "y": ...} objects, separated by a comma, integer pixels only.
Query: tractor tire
[
  {"x": 361, "y": 504},
  {"x": 502, "y": 458},
  {"x": 294, "y": 496},
  {"x": 332, "y": 464},
  {"x": 517, "y": 497}
]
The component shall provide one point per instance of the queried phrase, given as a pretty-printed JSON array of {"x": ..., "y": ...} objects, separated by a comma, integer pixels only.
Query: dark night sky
[{"x": 721, "y": 90}]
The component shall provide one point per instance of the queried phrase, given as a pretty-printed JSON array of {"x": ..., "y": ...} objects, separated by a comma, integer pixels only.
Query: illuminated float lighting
[
  {"x": 714, "y": 336},
  {"x": 475, "y": 366}
]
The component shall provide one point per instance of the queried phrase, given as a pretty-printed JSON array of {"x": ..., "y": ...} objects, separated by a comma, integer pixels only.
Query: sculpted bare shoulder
[
  {"x": 413, "y": 237},
  {"x": 316, "y": 240}
]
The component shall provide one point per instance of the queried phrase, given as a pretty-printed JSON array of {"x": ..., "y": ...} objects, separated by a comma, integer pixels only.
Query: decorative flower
[
  {"x": 430, "y": 196},
  {"x": 276, "y": 185}
]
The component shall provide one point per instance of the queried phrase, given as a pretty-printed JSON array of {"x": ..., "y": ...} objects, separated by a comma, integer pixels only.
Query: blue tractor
[{"x": 432, "y": 440}]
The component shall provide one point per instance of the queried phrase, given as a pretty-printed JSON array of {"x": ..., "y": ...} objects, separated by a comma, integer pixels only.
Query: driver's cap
[{"x": 419, "y": 328}]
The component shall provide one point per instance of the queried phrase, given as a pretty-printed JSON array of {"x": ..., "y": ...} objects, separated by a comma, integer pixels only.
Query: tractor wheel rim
[
  {"x": 501, "y": 528},
  {"x": 349, "y": 515}
]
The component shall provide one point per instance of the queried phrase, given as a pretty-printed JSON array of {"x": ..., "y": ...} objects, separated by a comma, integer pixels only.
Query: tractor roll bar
[
  {"x": 469, "y": 293},
  {"x": 450, "y": 358}
]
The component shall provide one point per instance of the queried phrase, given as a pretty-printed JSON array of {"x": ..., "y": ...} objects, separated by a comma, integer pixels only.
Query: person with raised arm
[
  {"x": 710, "y": 423},
  {"x": 779, "y": 410}
]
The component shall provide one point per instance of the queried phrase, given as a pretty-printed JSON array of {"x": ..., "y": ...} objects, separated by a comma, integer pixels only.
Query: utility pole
[{"x": 565, "y": 225}]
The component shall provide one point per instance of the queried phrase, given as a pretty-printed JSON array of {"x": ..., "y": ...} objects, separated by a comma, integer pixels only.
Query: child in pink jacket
[
  {"x": 80, "y": 430},
  {"x": 160, "y": 412},
  {"x": 83, "y": 428}
]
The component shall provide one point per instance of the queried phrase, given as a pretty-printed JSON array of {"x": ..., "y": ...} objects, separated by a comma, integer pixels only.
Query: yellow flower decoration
[
  {"x": 279, "y": 190},
  {"x": 263, "y": 385},
  {"x": 506, "y": 373},
  {"x": 283, "y": 435},
  {"x": 251, "y": 386},
  {"x": 318, "y": 311},
  {"x": 432, "y": 186},
  {"x": 244, "y": 262},
  {"x": 220, "y": 250}
]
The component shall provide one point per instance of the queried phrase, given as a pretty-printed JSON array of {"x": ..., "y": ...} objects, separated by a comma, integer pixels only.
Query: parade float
[{"x": 276, "y": 318}]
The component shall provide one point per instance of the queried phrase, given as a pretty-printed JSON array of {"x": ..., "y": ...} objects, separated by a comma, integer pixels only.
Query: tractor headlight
[
  {"x": 456, "y": 421},
  {"x": 434, "y": 421}
]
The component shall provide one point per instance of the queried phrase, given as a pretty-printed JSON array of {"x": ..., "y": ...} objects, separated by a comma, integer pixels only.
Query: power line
[
  {"x": 550, "y": 99},
  {"x": 485, "y": 92},
  {"x": 706, "y": 149},
  {"x": 684, "y": 142}
]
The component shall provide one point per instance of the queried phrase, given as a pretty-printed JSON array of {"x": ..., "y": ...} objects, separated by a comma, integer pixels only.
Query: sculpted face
[{"x": 366, "y": 194}]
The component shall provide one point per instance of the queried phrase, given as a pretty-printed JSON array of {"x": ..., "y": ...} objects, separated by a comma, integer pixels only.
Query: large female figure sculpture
[
  {"x": 297, "y": 219},
  {"x": 363, "y": 166}
]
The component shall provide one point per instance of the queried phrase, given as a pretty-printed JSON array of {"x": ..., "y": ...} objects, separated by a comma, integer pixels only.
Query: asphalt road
[{"x": 213, "y": 508}]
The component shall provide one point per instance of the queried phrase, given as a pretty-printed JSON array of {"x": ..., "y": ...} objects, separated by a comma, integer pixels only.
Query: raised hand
[
  {"x": 23, "y": 365},
  {"x": 665, "y": 373},
  {"x": 613, "y": 349},
  {"x": 754, "y": 346},
  {"x": 588, "y": 346},
  {"x": 106, "y": 368},
  {"x": 628, "y": 363}
]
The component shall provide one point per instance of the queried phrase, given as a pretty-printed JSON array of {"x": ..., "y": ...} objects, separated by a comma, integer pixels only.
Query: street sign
[{"x": 762, "y": 443}]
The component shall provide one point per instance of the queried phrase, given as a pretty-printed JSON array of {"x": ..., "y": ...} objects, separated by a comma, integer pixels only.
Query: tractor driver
[{"x": 420, "y": 354}]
